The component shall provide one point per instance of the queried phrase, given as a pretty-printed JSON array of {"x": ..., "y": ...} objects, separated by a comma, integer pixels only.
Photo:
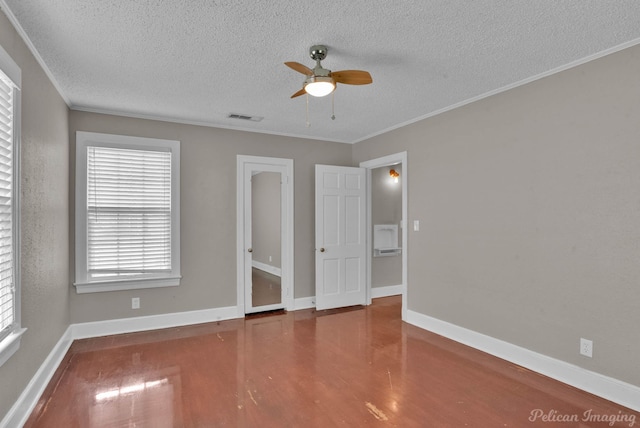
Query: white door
[
  {"x": 340, "y": 236},
  {"x": 249, "y": 167}
]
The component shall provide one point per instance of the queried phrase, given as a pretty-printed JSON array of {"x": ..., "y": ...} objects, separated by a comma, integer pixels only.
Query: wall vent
[{"x": 245, "y": 117}]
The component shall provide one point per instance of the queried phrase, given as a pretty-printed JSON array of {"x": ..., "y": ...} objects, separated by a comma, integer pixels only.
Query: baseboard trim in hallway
[{"x": 388, "y": 290}]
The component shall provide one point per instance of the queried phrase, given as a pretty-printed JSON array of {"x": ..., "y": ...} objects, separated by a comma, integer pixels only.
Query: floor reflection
[
  {"x": 352, "y": 367},
  {"x": 266, "y": 288},
  {"x": 136, "y": 404}
]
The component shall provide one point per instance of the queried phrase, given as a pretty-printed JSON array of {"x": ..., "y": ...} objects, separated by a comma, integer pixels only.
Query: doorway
[
  {"x": 264, "y": 234},
  {"x": 398, "y": 163}
]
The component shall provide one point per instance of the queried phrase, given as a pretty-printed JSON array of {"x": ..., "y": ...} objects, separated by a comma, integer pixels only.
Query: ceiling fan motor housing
[{"x": 318, "y": 52}]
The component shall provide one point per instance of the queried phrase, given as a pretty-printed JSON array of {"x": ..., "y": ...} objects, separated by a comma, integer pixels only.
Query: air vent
[{"x": 245, "y": 117}]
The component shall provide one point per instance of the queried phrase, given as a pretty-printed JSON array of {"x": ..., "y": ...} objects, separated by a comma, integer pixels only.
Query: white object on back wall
[{"x": 385, "y": 240}]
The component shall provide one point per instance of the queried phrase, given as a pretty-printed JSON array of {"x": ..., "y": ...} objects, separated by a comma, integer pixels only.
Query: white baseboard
[
  {"x": 267, "y": 268},
  {"x": 310, "y": 302},
  {"x": 304, "y": 303},
  {"x": 389, "y": 290},
  {"x": 386, "y": 291},
  {"x": 609, "y": 388},
  {"x": 22, "y": 408},
  {"x": 151, "y": 322},
  {"x": 606, "y": 387}
]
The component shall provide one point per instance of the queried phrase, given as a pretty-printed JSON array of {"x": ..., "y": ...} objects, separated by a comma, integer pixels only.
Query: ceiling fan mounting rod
[{"x": 318, "y": 53}]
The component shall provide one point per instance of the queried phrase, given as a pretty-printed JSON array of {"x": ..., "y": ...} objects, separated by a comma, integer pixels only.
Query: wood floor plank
[{"x": 352, "y": 368}]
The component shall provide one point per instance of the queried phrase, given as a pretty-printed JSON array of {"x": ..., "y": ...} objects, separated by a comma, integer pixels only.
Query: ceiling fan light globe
[{"x": 319, "y": 86}]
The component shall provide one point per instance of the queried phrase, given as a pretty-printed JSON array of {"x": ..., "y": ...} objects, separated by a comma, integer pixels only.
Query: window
[
  {"x": 10, "y": 328},
  {"x": 127, "y": 212}
]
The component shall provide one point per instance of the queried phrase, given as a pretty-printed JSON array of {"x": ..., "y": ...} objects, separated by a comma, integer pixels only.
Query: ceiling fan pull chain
[
  {"x": 308, "y": 123},
  {"x": 333, "y": 109}
]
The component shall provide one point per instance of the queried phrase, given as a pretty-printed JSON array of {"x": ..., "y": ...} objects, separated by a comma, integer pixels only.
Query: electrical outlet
[
  {"x": 270, "y": 258},
  {"x": 586, "y": 347},
  {"x": 135, "y": 303},
  {"x": 416, "y": 225}
]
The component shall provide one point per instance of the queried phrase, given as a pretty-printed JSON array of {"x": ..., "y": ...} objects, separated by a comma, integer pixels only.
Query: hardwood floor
[{"x": 351, "y": 368}]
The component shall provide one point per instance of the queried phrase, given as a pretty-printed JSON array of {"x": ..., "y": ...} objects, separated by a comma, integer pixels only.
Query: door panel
[
  {"x": 353, "y": 280},
  {"x": 340, "y": 236},
  {"x": 331, "y": 272},
  {"x": 331, "y": 210},
  {"x": 331, "y": 180},
  {"x": 353, "y": 218}
]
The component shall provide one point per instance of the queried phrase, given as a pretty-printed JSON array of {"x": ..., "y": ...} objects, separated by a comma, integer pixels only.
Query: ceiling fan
[{"x": 321, "y": 81}]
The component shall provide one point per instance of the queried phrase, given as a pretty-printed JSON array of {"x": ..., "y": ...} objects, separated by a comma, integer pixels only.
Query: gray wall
[
  {"x": 529, "y": 210},
  {"x": 386, "y": 208},
  {"x": 528, "y": 203},
  {"x": 265, "y": 218},
  {"x": 208, "y": 213},
  {"x": 45, "y": 219}
]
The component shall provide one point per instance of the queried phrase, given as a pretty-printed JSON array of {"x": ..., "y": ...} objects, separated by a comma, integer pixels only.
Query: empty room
[{"x": 318, "y": 214}]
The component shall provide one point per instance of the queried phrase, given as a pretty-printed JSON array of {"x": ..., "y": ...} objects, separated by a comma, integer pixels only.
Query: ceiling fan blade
[
  {"x": 352, "y": 77},
  {"x": 300, "y": 92},
  {"x": 299, "y": 68}
]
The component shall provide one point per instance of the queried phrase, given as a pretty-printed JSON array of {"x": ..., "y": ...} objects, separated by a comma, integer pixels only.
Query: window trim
[
  {"x": 11, "y": 343},
  {"x": 91, "y": 139}
]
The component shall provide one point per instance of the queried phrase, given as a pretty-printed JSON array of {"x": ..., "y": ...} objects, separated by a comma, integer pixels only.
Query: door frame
[
  {"x": 287, "y": 220},
  {"x": 394, "y": 159}
]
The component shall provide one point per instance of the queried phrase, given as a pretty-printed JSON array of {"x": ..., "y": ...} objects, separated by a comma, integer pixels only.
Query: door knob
[
  {"x": 250, "y": 250},
  {"x": 322, "y": 250}
]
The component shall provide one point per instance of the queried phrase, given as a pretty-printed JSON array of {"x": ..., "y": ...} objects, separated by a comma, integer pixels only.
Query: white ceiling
[{"x": 196, "y": 61}]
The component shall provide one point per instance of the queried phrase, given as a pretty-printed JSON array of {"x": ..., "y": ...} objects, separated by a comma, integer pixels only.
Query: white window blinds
[
  {"x": 128, "y": 213},
  {"x": 7, "y": 277}
]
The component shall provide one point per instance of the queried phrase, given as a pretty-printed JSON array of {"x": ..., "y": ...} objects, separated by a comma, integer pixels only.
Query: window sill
[
  {"x": 101, "y": 286},
  {"x": 10, "y": 344}
]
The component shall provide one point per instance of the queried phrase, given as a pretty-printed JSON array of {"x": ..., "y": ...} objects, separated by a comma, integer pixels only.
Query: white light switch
[{"x": 416, "y": 225}]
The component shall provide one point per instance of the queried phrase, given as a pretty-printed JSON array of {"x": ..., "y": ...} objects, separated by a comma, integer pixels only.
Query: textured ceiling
[{"x": 196, "y": 61}]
